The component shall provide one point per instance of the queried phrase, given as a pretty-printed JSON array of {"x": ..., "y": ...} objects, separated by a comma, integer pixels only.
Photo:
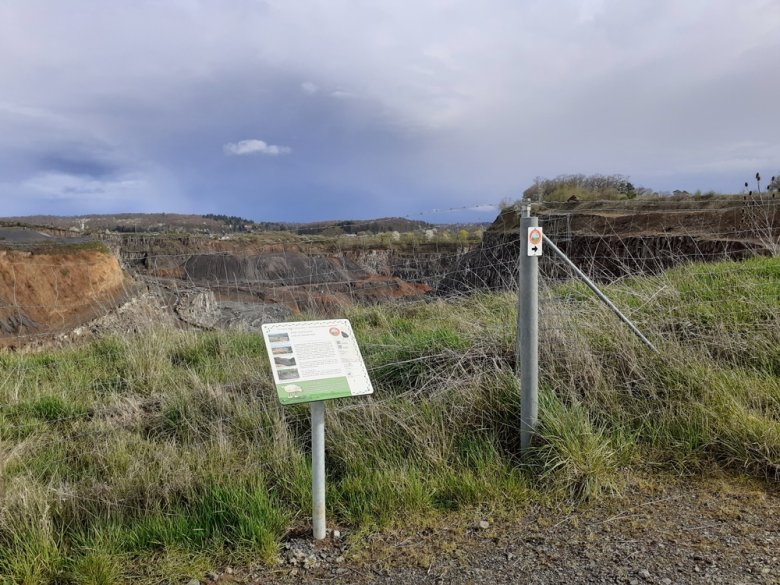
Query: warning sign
[
  {"x": 535, "y": 237},
  {"x": 315, "y": 360}
]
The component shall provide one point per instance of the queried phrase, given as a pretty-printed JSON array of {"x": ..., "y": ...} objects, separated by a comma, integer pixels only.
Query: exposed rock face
[
  {"x": 297, "y": 280},
  {"x": 491, "y": 266},
  {"x": 206, "y": 283},
  {"x": 250, "y": 316},
  {"x": 190, "y": 257},
  {"x": 427, "y": 266},
  {"x": 198, "y": 308},
  {"x": 277, "y": 268},
  {"x": 192, "y": 308},
  {"x": 321, "y": 277},
  {"x": 143, "y": 312},
  {"x": 51, "y": 291},
  {"x": 494, "y": 266},
  {"x": 613, "y": 239}
]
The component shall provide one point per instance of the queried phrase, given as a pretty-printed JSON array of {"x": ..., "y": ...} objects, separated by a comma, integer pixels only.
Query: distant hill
[
  {"x": 123, "y": 222},
  {"x": 356, "y": 226},
  {"x": 210, "y": 223}
]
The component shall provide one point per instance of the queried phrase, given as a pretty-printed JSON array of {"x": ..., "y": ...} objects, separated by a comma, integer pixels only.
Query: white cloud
[
  {"x": 255, "y": 146},
  {"x": 310, "y": 87}
]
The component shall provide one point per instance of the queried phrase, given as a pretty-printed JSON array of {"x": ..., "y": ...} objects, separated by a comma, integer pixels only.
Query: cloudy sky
[{"x": 320, "y": 109}]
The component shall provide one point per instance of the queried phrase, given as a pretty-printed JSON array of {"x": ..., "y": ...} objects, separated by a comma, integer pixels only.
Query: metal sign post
[
  {"x": 318, "y": 468},
  {"x": 527, "y": 356},
  {"x": 314, "y": 361}
]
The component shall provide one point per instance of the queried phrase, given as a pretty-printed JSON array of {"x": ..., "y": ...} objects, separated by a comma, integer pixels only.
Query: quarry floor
[{"x": 716, "y": 530}]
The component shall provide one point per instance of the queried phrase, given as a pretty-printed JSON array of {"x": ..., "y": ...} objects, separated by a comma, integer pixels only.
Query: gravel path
[{"x": 722, "y": 530}]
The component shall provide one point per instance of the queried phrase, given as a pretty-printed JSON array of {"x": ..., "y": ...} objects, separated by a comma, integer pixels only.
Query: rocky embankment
[{"x": 610, "y": 239}]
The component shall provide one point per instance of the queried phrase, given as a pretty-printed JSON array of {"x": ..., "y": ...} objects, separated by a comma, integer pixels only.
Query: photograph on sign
[
  {"x": 315, "y": 360},
  {"x": 535, "y": 237}
]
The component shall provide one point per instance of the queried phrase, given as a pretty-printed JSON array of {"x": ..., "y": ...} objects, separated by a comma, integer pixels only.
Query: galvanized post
[
  {"x": 527, "y": 355},
  {"x": 317, "y": 410}
]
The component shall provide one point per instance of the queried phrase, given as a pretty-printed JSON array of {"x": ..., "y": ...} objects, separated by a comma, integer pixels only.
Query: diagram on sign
[
  {"x": 535, "y": 237},
  {"x": 315, "y": 360}
]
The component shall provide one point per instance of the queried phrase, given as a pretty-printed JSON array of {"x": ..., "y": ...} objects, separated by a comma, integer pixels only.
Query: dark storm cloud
[
  {"x": 74, "y": 161},
  {"x": 359, "y": 109}
]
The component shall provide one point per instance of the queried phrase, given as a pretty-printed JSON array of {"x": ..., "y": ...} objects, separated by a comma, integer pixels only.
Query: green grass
[{"x": 160, "y": 456}]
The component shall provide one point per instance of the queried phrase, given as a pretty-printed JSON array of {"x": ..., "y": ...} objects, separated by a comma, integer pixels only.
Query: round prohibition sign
[{"x": 535, "y": 237}]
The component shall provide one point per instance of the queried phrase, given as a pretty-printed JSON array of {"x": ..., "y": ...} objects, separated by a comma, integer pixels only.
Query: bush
[{"x": 582, "y": 187}]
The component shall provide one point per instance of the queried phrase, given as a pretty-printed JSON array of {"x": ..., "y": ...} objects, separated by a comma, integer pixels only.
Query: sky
[{"x": 334, "y": 109}]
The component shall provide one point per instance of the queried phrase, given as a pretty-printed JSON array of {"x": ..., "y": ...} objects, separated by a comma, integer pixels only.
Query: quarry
[{"x": 53, "y": 284}]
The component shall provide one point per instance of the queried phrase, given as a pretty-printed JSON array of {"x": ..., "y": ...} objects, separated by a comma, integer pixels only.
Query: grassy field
[{"x": 164, "y": 454}]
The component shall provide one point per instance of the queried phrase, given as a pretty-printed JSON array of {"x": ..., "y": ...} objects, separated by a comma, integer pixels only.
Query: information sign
[
  {"x": 315, "y": 360},
  {"x": 535, "y": 238}
]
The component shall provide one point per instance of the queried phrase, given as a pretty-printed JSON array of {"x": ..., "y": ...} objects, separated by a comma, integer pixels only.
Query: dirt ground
[{"x": 716, "y": 530}]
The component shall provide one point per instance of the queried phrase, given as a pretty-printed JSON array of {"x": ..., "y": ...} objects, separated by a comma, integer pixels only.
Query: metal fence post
[{"x": 527, "y": 355}]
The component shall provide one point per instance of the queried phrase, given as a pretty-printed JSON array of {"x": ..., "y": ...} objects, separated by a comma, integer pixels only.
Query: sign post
[
  {"x": 527, "y": 355},
  {"x": 314, "y": 361},
  {"x": 317, "y": 410}
]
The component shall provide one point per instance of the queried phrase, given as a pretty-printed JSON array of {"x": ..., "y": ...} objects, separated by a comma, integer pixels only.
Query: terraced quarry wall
[
  {"x": 327, "y": 273},
  {"x": 54, "y": 287}
]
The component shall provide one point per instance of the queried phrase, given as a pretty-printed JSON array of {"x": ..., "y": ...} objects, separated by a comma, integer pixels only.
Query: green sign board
[{"x": 315, "y": 360}]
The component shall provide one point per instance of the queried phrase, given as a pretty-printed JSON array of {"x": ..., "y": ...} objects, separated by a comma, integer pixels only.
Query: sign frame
[{"x": 315, "y": 360}]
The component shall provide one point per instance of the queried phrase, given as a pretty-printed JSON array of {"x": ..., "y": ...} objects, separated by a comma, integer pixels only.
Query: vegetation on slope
[
  {"x": 162, "y": 454},
  {"x": 582, "y": 187}
]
